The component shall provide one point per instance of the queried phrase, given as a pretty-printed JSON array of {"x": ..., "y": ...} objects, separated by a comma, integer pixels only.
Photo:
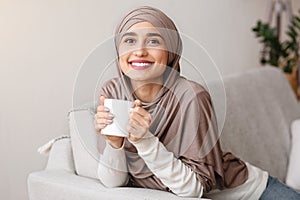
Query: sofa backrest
[{"x": 260, "y": 108}]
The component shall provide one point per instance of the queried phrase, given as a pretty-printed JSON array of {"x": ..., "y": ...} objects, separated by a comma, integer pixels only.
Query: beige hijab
[{"x": 182, "y": 113}]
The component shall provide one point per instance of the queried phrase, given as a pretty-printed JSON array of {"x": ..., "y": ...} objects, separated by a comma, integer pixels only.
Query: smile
[{"x": 140, "y": 64}]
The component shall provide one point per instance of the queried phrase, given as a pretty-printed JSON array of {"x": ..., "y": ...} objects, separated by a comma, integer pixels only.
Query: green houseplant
[{"x": 277, "y": 53}]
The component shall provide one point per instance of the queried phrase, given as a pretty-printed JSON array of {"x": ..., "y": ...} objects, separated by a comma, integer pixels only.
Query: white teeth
[{"x": 140, "y": 64}]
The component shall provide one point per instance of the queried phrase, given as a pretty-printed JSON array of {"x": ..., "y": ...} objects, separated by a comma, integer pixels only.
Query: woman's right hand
[{"x": 103, "y": 118}]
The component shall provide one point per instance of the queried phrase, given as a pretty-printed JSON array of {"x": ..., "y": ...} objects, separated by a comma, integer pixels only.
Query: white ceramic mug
[{"x": 121, "y": 110}]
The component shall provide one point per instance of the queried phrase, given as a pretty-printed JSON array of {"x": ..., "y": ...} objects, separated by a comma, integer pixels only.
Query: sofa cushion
[
  {"x": 84, "y": 141},
  {"x": 293, "y": 175},
  {"x": 260, "y": 109}
]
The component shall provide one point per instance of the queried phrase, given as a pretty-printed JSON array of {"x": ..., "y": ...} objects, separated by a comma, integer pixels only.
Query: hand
[
  {"x": 103, "y": 118},
  {"x": 139, "y": 122}
]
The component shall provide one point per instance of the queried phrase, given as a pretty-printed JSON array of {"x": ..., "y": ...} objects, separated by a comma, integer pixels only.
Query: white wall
[{"x": 42, "y": 44}]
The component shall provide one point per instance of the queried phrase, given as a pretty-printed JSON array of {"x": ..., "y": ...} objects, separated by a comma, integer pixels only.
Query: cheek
[
  {"x": 164, "y": 58},
  {"x": 123, "y": 64},
  {"x": 160, "y": 56}
]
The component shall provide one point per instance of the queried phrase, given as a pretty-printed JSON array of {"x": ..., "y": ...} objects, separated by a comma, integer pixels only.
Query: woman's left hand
[{"x": 139, "y": 122}]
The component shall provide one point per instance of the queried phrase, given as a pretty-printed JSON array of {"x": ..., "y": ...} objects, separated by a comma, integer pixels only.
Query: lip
[{"x": 140, "y": 64}]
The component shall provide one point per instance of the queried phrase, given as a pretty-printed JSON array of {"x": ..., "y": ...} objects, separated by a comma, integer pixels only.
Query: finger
[
  {"x": 104, "y": 121},
  {"x": 99, "y": 127},
  {"x": 132, "y": 129},
  {"x": 105, "y": 115},
  {"x": 135, "y": 123},
  {"x": 102, "y": 108},
  {"x": 101, "y": 100},
  {"x": 143, "y": 113},
  {"x": 141, "y": 120},
  {"x": 139, "y": 129}
]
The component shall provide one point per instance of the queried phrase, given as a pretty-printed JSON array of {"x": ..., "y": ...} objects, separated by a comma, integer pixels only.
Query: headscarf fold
[{"x": 182, "y": 113}]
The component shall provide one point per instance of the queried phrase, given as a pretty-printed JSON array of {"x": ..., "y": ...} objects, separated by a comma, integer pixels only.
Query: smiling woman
[{"x": 172, "y": 141}]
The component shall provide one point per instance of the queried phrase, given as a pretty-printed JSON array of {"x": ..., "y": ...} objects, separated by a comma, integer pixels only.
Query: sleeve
[
  {"x": 112, "y": 168},
  {"x": 179, "y": 178}
]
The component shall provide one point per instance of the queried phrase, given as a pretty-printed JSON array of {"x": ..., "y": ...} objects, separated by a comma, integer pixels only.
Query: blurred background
[{"x": 43, "y": 43}]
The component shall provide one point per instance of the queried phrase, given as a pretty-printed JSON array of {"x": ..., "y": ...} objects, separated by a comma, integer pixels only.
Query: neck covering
[{"x": 182, "y": 113}]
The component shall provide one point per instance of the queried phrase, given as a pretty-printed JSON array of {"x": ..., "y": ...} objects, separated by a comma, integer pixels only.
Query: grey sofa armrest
[{"x": 61, "y": 157}]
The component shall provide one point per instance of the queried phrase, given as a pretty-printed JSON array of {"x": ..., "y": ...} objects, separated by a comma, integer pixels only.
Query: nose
[{"x": 140, "y": 51}]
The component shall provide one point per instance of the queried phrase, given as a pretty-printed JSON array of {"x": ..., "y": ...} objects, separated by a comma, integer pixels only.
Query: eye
[
  {"x": 153, "y": 41},
  {"x": 129, "y": 40}
]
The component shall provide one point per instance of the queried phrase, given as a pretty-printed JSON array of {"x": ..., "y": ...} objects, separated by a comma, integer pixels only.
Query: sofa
[{"x": 260, "y": 108}]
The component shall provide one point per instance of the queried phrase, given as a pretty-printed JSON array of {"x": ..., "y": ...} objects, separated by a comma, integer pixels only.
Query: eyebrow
[
  {"x": 148, "y": 34},
  {"x": 153, "y": 34},
  {"x": 129, "y": 34}
]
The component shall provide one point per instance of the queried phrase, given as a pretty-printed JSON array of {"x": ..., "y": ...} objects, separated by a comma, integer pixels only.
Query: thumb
[
  {"x": 101, "y": 100},
  {"x": 138, "y": 103}
]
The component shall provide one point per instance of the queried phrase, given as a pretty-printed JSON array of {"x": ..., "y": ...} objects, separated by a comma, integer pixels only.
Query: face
[{"x": 143, "y": 54}]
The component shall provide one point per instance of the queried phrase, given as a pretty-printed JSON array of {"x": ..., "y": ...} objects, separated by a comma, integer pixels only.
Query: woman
[{"x": 172, "y": 142}]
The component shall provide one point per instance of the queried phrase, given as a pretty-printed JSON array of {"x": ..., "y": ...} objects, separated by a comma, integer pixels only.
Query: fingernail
[
  {"x": 132, "y": 104},
  {"x": 110, "y": 115},
  {"x": 138, "y": 102},
  {"x": 130, "y": 110},
  {"x": 106, "y": 109},
  {"x": 109, "y": 121}
]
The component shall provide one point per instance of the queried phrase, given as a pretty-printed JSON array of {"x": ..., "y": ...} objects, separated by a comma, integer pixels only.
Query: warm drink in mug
[{"x": 121, "y": 110}]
